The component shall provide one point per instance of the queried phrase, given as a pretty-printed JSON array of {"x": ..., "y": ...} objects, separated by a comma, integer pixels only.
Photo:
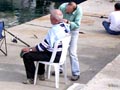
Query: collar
[
  {"x": 75, "y": 11},
  {"x": 63, "y": 25}
]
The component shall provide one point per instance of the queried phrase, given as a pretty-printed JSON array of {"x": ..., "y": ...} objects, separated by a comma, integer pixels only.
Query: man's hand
[
  {"x": 26, "y": 49},
  {"x": 65, "y": 20}
]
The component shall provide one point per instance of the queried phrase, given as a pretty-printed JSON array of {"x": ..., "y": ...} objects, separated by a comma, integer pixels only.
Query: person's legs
[
  {"x": 29, "y": 59},
  {"x": 107, "y": 25},
  {"x": 73, "y": 53},
  {"x": 29, "y": 66}
]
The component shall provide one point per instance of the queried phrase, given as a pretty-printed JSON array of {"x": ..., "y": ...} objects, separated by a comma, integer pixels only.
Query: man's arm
[
  {"x": 48, "y": 42},
  {"x": 109, "y": 18},
  {"x": 28, "y": 49},
  {"x": 42, "y": 46},
  {"x": 77, "y": 20}
]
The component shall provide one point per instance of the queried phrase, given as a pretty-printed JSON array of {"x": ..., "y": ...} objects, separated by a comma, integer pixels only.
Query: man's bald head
[{"x": 56, "y": 16}]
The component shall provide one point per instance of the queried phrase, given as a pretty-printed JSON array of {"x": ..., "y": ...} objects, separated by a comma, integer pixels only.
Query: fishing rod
[
  {"x": 17, "y": 38},
  {"x": 102, "y": 16}
]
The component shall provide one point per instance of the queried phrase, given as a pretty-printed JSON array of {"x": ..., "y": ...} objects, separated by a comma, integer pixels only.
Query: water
[{"x": 14, "y": 13}]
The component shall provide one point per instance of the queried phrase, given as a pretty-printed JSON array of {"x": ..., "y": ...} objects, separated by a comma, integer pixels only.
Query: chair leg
[
  {"x": 36, "y": 71},
  {"x": 56, "y": 76},
  {"x": 3, "y": 41},
  {"x": 3, "y": 52},
  {"x": 65, "y": 72},
  {"x": 48, "y": 71},
  {"x": 5, "y": 46}
]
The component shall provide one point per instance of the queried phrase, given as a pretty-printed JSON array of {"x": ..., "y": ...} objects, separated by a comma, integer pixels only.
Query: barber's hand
[{"x": 65, "y": 20}]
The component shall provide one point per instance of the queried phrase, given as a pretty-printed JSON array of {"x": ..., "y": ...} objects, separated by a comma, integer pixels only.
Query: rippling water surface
[{"x": 14, "y": 13}]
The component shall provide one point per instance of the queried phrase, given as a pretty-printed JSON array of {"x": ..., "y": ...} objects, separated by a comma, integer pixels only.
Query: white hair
[{"x": 59, "y": 17}]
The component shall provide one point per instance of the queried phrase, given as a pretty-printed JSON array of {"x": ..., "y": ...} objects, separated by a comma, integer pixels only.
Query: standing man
[
  {"x": 43, "y": 50},
  {"x": 72, "y": 15}
]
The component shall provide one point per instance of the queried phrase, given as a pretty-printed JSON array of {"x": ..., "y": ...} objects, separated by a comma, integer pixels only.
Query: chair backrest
[
  {"x": 1, "y": 28},
  {"x": 65, "y": 44}
]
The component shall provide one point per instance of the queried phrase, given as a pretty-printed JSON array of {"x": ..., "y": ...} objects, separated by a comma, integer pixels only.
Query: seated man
[
  {"x": 43, "y": 50},
  {"x": 112, "y": 26}
]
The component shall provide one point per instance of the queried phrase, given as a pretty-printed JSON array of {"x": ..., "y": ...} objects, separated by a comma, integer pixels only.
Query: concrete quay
[{"x": 98, "y": 54}]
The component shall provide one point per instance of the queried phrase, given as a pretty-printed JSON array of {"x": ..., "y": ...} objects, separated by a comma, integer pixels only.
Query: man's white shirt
[{"x": 114, "y": 19}]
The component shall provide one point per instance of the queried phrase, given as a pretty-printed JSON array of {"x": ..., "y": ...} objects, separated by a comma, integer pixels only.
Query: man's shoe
[
  {"x": 41, "y": 77},
  {"x": 28, "y": 81},
  {"x": 75, "y": 77},
  {"x": 53, "y": 73}
]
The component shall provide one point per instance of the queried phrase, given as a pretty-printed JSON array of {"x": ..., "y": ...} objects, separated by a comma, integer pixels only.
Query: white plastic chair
[{"x": 65, "y": 44}]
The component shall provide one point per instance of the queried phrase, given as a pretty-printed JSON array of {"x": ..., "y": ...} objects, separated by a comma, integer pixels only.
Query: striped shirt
[{"x": 57, "y": 32}]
